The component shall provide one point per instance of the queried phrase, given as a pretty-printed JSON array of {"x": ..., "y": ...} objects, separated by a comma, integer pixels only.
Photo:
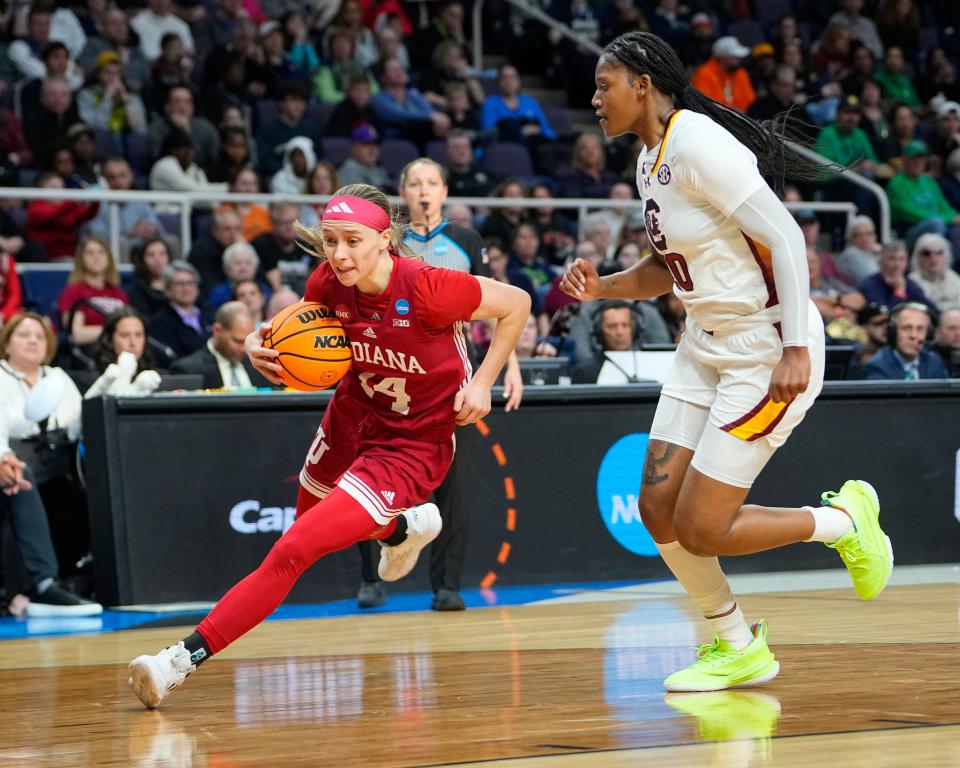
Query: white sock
[
  {"x": 829, "y": 523},
  {"x": 709, "y": 589}
]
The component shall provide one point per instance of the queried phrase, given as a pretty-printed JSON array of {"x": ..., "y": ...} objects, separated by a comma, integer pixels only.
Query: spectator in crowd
[
  {"x": 668, "y": 23},
  {"x": 464, "y": 116},
  {"x": 58, "y": 64},
  {"x": 291, "y": 121},
  {"x": 555, "y": 230},
  {"x": 616, "y": 217},
  {"x": 893, "y": 79},
  {"x": 355, "y": 109},
  {"x": 810, "y": 226},
  {"x": 206, "y": 255},
  {"x": 859, "y": 259},
  {"x": 698, "y": 47},
  {"x": 115, "y": 36},
  {"x": 108, "y": 105},
  {"x": 138, "y": 221},
  {"x": 947, "y": 341},
  {"x": 464, "y": 176},
  {"x": 323, "y": 180},
  {"x": 146, "y": 294},
  {"x": 502, "y": 271},
  {"x": 240, "y": 262},
  {"x": 172, "y": 70},
  {"x": 14, "y": 151},
  {"x": 92, "y": 292},
  {"x": 280, "y": 300},
  {"x": 282, "y": 260},
  {"x": 235, "y": 156},
  {"x": 350, "y": 18},
  {"x": 916, "y": 202},
  {"x": 932, "y": 257},
  {"x": 588, "y": 175},
  {"x": 945, "y": 136},
  {"x": 40, "y": 55},
  {"x": 124, "y": 362},
  {"x": 596, "y": 229},
  {"x": 861, "y": 28},
  {"x": 831, "y": 56},
  {"x": 390, "y": 46},
  {"x": 904, "y": 356},
  {"x": 615, "y": 333},
  {"x": 874, "y": 320},
  {"x": 404, "y": 112},
  {"x": 628, "y": 254},
  {"x": 446, "y": 25},
  {"x": 300, "y": 51},
  {"x": 330, "y": 81},
  {"x": 862, "y": 66},
  {"x": 46, "y": 128},
  {"x": 723, "y": 78},
  {"x": 874, "y": 122},
  {"x": 529, "y": 343},
  {"x": 82, "y": 145},
  {"x": 13, "y": 240},
  {"x": 54, "y": 223},
  {"x": 461, "y": 215},
  {"x": 898, "y": 22},
  {"x": 449, "y": 65},
  {"x": 216, "y": 25},
  {"x": 255, "y": 217},
  {"x": 904, "y": 129},
  {"x": 525, "y": 257},
  {"x": 11, "y": 297},
  {"x": 179, "y": 113},
  {"x": 845, "y": 143},
  {"x": 234, "y": 74},
  {"x": 180, "y": 325},
  {"x": 939, "y": 78},
  {"x": 761, "y": 68},
  {"x": 154, "y": 22},
  {"x": 950, "y": 180},
  {"x": 363, "y": 165},
  {"x": 502, "y": 222},
  {"x": 827, "y": 293},
  {"x": 250, "y": 294},
  {"x": 635, "y": 231},
  {"x": 890, "y": 286},
  {"x": 222, "y": 360},
  {"x": 176, "y": 170},
  {"x": 511, "y": 115},
  {"x": 556, "y": 298},
  {"x": 781, "y": 97},
  {"x": 299, "y": 159},
  {"x": 63, "y": 164}
]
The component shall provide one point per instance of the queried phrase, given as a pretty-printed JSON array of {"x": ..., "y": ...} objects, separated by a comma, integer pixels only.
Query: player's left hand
[
  {"x": 512, "y": 386},
  {"x": 472, "y": 403},
  {"x": 791, "y": 376}
]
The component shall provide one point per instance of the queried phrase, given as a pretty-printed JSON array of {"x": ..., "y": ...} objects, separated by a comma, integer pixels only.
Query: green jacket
[
  {"x": 844, "y": 149},
  {"x": 897, "y": 87},
  {"x": 916, "y": 200}
]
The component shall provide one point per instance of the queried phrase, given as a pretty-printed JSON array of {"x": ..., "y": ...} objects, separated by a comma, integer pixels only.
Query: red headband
[{"x": 358, "y": 211}]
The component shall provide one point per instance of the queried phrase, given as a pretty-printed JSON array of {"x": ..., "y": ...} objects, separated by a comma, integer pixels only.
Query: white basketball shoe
[
  {"x": 423, "y": 525},
  {"x": 153, "y": 677}
]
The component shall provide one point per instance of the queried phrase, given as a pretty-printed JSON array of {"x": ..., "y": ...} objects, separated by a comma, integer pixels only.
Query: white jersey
[{"x": 690, "y": 184}]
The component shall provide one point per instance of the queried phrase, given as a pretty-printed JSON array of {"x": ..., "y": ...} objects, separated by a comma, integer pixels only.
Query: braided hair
[{"x": 643, "y": 53}]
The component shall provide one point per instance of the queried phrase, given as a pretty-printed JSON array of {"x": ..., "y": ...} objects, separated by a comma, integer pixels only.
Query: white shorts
[{"x": 715, "y": 402}]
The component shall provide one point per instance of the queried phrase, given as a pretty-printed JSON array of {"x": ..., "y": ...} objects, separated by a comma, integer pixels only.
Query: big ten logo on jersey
[
  {"x": 617, "y": 494},
  {"x": 309, "y": 315},
  {"x": 249, "y": 516},
  {"x": 400, "y": 322}
]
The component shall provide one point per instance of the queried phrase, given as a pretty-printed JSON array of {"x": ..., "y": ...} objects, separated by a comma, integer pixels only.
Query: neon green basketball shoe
[
  {"x": 720, "y": 665},
  {"x": 865, "y": 549}
]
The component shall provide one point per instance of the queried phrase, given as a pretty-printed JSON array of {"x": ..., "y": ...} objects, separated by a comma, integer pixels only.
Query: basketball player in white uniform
[{"x": 750, "y": 363}]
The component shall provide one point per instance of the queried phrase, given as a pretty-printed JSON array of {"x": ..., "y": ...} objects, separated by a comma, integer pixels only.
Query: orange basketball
[{"x": 314, "y": 350}]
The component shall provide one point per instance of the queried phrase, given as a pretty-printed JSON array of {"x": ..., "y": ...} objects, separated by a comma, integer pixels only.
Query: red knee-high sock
[{"x": 331, "y": 524}]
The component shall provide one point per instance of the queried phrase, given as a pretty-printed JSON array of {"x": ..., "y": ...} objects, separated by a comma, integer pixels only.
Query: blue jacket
[
  {"x": 528, "y": 110},
  {"x": 875, "y": 290},
  {"x": 884, "y": 366}
]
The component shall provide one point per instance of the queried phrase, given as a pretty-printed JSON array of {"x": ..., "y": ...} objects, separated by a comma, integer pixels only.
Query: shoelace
[{"x": 710, "y": 653}]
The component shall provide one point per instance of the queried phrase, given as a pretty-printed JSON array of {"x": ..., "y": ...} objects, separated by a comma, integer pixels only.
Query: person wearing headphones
[
  {"x": 616, "y": 331},
  {"x": 904, "y": 356},
  {"x": 440, "y": 243}
]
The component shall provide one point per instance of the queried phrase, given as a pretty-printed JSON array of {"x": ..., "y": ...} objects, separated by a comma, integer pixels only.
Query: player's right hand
[
  {"x": 262, "y": 358},
  {"x": 581, "y": 281}
]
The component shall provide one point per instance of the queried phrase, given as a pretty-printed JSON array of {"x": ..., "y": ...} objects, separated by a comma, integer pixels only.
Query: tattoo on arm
[{"x": 652, "y": 467}]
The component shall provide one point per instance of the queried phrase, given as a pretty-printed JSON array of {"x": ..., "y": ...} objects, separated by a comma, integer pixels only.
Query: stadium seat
[
  {"x": 396, "y": 153},
  {"x": 336, "y": 149},
  {"x": 107, "y": 144},
  {"x": 747, "y": 32},
  {"x": 559, "y": 120},
  {"x": 138, "y": 152},
  {"x": 436, "y": 150},
  {"x": 771, "y": 11},
  {"x": 507, "y": 159}
]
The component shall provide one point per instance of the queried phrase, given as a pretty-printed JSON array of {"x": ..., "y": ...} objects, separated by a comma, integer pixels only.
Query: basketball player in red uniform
[{"x": 386, "y": 440}]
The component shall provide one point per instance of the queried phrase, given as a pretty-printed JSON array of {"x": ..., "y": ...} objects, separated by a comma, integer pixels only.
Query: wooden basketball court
[{"x": 570, "y": 682}]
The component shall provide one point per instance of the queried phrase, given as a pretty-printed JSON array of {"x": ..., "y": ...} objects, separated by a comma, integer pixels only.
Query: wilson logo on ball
[{"x": 314, "y": 314}]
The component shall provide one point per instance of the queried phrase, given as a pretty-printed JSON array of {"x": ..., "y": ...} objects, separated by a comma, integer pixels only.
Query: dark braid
[{"x": 643, "y": 53}]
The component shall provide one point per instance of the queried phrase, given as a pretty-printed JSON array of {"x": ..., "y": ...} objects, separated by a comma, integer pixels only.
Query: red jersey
[
  {"x": 409, "y": 348},
  {"x": 102, "y": 301}
]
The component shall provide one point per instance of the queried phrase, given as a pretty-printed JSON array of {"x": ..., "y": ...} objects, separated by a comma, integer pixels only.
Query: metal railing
[{"x": 188, "y": 201}]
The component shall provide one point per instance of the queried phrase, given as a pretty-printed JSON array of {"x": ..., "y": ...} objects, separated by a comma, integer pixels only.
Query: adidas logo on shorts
[
  {"x": 388, "y": 495},
  {"x": 340, "y": 208},
  {"x": 368, "y": 332}
]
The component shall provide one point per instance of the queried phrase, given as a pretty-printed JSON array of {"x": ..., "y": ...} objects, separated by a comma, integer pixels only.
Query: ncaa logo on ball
[
  {"x": 402, "y": 306},
  {"x": 663, "y": 175},
  {"x": 618, "y": 491}
]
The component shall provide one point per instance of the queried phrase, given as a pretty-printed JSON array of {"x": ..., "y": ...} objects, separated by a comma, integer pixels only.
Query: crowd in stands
[{"x": 252, "y": 96}]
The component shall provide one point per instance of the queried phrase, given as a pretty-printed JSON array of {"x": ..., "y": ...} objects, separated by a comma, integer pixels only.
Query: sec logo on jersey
[{"x": 663, "y": 175}]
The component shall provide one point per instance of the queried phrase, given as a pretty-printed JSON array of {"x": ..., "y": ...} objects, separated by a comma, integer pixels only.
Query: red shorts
[{"x": 384, "y": 470}]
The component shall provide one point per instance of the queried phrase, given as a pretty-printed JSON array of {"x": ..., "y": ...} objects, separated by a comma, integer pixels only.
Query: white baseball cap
[
  {"x": 730, "y": 46},
  {"x": 947, "y": 107}
]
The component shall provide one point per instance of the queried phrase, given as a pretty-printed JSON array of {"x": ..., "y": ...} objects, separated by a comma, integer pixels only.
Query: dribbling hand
[
  {"x": 262, "y": 358},
  {"x": 581, "y": 281}
]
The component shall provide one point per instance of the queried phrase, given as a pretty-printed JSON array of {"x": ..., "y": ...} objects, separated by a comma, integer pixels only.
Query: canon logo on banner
[{"x": 249, "y": 517}]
